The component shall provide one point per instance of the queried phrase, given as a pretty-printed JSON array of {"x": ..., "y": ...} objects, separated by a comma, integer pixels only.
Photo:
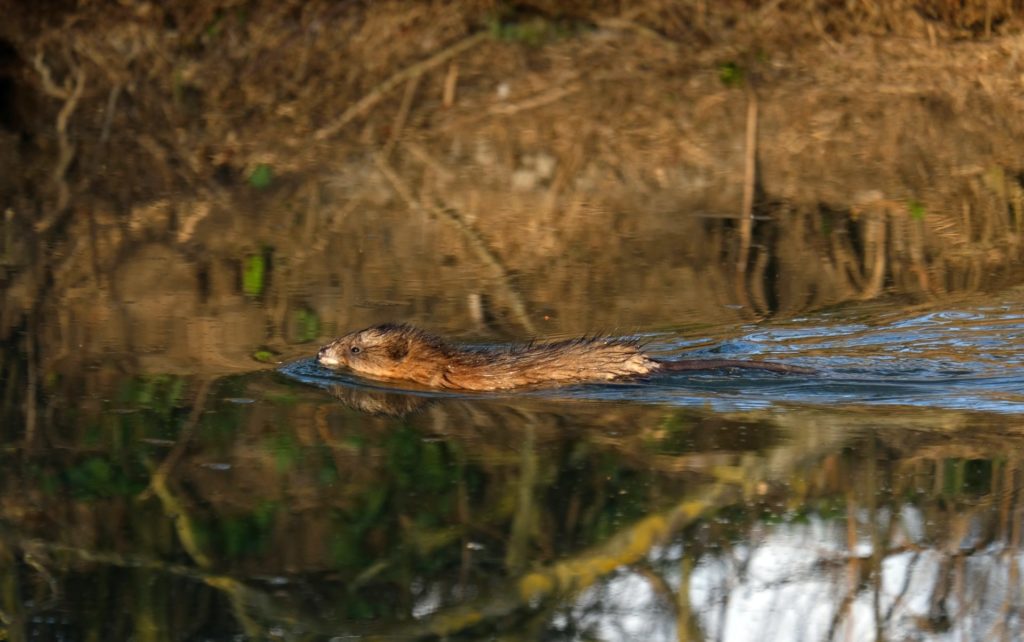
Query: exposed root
[{"x": 70, "y": 92}]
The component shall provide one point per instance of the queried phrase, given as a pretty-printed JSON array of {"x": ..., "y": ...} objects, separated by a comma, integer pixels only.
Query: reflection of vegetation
[
  {"x": 306, "y": 325},
  {"x": 396, "y": 512},
  {"x": 97, "y": 478},
  {"x": 263, "y": 356},
  {"x": 377, "y": 517},
  {"x": 611, "y": 496},
  {"x": 421, "y": 466},
  {"x": 261, "y": 177},
  {"x": 868, "y": 509},
  {"x": 285, "y": 451},
  {"x": 13, "y": 373},
  {"x": 245, "y": 535},
  {"x": 417, "y": 497},
  {"x": 143, "y": 410},
  {"x": 253, "y": 275},
  {"x": 160, "y": 393},
  {"x": 966, "y": 477}
]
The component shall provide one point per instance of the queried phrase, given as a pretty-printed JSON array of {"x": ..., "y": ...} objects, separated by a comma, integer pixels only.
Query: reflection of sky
[{"x": 792, "y": 583}]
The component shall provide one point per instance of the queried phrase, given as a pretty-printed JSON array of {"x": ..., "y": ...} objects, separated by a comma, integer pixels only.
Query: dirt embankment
[{"x": 160, "y": 148}]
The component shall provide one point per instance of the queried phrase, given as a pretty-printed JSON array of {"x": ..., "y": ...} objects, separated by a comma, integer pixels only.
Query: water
[
  {"x": 880, "y": 494},
  {"x": 175, "y": 466}
]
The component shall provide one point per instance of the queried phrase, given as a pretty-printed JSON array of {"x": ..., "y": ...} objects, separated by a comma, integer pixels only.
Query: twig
[
  {"x": 758, "y": 277},
  {"x": 30, "y": 384},
  {"x": 750, "y": 161},
  {"x": 524, "y": 519},
  {"x": 44, "y": 548},
  {"x": 875, "y": 254},
  {"x": 625, "y": 24},
  {"x": 397, "y": 183},
  {"x": 184, "y": 437},
  {"x": 660, "y": 586},
  {"x": 451, "y": 82},
  {"x": 539, "y": 100},
  {"x": 423, "y": 156},
  {"x": 70, "y": 93},
  {"x": 108, "y": 115},
  {"x": 403, "y": 114},
  {"x": 378, "y": 92},
  {"x": 746, "y": 230},
  {"x": 49, "y": 87}
]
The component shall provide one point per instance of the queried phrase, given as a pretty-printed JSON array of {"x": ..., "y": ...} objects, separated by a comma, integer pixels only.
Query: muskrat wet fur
[{"x": 400, "y": 352}]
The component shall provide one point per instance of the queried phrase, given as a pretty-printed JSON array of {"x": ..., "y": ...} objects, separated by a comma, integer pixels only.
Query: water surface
[{"x": 877, "y": 497}]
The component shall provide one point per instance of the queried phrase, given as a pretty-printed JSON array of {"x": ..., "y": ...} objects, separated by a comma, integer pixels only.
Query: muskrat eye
[{"x": 355, "y": 350}]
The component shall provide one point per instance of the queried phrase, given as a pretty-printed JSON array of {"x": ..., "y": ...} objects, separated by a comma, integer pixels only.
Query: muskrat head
[{"x": 382, "y": 351}]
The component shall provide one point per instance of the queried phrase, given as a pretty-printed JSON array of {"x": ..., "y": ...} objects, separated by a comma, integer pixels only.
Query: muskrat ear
[{"x": 398, "y": 349}]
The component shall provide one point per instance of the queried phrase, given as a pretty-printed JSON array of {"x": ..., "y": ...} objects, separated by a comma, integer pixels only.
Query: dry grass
[{"x": 233, "y": 84}]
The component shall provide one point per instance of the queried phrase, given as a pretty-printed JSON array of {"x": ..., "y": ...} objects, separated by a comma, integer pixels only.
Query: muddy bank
[{"x": 196, "y": 185}]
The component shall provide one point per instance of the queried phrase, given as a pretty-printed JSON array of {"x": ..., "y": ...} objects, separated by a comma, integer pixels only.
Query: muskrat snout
[{"x": 325, "y": 356}]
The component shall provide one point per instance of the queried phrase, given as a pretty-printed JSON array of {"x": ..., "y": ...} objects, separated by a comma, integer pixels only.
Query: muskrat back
[
  {"x": 402, "y": 352},
  {"x": 398, "y": 351}
]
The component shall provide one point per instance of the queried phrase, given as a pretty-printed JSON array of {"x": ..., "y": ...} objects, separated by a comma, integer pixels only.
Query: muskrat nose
[{"x": 325, "y": 358}]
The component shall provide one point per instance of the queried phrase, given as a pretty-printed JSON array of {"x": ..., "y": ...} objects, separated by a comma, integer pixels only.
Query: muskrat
[{"x": 404, "y": 353}]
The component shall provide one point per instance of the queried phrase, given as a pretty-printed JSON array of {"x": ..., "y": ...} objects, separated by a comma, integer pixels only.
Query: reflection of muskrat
[{"x": 401, "y": 352}]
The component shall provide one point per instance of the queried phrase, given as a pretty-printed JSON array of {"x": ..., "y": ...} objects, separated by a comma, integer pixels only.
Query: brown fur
[{"x": 401, "y": 352}]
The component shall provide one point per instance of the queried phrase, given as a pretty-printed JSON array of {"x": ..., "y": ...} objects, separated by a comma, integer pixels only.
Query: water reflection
[
  {"x": 889, "y": 568},
  {"x": 278, "y": 510},
  {"x": 877, "y": 499}
]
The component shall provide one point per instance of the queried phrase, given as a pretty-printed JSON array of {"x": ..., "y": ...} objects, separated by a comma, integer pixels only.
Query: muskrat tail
[{"x": 716, "y": 364}]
